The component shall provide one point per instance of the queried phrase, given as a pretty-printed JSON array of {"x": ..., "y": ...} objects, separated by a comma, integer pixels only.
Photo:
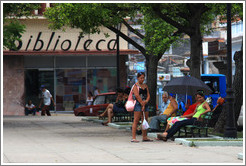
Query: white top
[
  {"x": 96, "y": 92},
  {"x": 30, "y": 106},
  {"x": 89, "y": 101},
  {"x": 46, "y": 96}
]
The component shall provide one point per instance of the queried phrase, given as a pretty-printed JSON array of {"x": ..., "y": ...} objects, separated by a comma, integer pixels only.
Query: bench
[
  {"x": 120, "y": 117},
  {"x": 197, "y": 127},
  {"x": 163, "y": 124}
]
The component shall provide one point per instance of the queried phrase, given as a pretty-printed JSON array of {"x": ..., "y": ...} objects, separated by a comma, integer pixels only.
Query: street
[{"x": 67, "y": 139}]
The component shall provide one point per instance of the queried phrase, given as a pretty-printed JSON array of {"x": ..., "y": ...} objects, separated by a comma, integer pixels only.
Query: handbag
[
  {"x": 145, "y": 124},
  {"x": 130, "y": 103}
]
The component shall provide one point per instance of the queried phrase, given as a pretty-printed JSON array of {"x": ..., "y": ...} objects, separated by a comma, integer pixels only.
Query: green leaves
[
  {"x": 86, "y": 16},
  {"x": 12, "y": 32},
  {"x": 12, "y": 28}
]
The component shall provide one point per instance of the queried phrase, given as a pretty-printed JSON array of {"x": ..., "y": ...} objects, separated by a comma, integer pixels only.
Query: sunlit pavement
[{"x": 67, "y": 139}]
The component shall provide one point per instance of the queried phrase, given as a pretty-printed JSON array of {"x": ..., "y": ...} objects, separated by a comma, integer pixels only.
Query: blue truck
[{"x": 216, "y": 82}]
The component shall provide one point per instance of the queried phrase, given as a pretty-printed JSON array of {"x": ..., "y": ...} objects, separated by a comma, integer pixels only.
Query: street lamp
[
  {"x": 118, "y": 26},
  {"x": 230, "y": 130}
]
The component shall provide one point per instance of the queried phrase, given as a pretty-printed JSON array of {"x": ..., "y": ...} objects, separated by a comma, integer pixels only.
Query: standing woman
[
  {"x": 89, "y": 99},
  {"x": 141, "y": 94}
]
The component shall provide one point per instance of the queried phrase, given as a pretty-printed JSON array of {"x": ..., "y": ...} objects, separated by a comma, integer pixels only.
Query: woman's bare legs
[
  {"x": 145, "y": 131},
  {"x": 167, "y": 127},
  {"x": 137, "y": 116}
]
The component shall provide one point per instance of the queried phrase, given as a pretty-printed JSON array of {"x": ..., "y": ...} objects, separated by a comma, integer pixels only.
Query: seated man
[
  {"x": 170, "y": 110},
  {"x": 30, "y": 108},
  {"x": 119, "y": 106}
]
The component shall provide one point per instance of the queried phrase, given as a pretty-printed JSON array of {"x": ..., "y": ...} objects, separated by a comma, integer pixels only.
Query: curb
[
  {"x": 120, "y": 125},
  {"x": 240, "y": 156},
  {"x": 180, "y": 141},
  {"x": 186, "y": 142}
]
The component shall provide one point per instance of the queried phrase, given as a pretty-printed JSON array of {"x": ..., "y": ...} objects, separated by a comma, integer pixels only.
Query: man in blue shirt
[{"x": 165, "y": 103}]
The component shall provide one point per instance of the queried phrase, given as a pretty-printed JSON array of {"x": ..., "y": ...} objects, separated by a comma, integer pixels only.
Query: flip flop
[
  {"x": 147, "y": 140},
  {"x": 104, "y": 124},
  {"x": 160, "y": 136},
  {"x": 134, "y": 141}
]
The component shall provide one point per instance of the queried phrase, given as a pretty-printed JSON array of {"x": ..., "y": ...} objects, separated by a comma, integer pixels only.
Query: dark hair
[
  {"x": 200, "y": 93},
  {"x": 127, "y": 90},
  {"x": 140, "y": 73},
  {"x": 119, "y": 90},
  {"x": 90, "y": 93}
]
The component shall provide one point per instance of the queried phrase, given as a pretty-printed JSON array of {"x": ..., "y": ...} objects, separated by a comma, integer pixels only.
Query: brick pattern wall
[{"x": 13, "y": 85}]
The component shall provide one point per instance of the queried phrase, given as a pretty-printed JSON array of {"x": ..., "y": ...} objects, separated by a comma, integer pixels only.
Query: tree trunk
[
  {"x": 238, "y": 93},
  {"x": 196, "y": 42},
  {"x": 220, "y": 124},
  {"x": 151, "y": 66},
  {"x": 238, "y": 83}
]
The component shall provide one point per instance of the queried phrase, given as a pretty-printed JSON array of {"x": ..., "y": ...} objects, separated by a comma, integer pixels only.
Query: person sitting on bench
[
  {"x": 170, "y": 110},
  {"x": 187, "y": 115},
  {"x": 118, "y": 107},
  {"x": 201, "y": 109}
]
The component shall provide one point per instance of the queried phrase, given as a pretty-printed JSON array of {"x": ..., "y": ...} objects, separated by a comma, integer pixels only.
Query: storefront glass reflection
[{"x": 73, "y": 85}]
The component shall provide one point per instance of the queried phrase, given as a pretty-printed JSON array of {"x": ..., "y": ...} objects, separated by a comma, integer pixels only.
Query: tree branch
[
  {"x": 125, "y": 37},
  {"x": 133, "y": 30},
  {"x": 157, "y": 10}
]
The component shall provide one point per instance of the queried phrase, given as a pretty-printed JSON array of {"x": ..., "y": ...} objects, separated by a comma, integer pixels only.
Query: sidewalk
[{"x": 67, "y": 139}]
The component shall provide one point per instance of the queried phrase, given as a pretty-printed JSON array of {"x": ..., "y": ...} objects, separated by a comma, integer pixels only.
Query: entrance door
[{"x": 34, "y": 78}]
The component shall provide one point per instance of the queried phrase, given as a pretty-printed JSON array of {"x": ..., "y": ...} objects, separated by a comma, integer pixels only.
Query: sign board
[{"x": 163, "y": 77}]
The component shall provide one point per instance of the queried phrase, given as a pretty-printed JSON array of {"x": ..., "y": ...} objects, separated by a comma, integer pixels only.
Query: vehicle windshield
[
  {"x": 212, "y": 83},
  {"x": 99, "y": 100}
]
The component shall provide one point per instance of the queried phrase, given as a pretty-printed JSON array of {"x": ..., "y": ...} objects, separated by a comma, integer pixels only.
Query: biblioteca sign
[{"x": 52, "y": 41}]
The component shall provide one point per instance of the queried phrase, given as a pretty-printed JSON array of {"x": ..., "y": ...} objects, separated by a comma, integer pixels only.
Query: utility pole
[{"x": 230, "y": 129}]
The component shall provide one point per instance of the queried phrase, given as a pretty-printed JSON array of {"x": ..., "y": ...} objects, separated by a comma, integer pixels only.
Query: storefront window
[
  {"x": 103, "y": 79},
  {"x": 70, "y": 89}
]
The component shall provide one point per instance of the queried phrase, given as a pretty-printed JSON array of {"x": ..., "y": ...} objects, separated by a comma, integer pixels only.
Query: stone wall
[{"x": 13, "y": 85}]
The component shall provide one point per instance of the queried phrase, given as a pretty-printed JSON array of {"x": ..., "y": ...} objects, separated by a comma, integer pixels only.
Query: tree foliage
[
  {"x": 89, "y": 17},
  {"x": 12, "y": 28}
]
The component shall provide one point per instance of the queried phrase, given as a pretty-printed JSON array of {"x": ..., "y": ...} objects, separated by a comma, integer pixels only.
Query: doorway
[{"x": 34, "y": 78}]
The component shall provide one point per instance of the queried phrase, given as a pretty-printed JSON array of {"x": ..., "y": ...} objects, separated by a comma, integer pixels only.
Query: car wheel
[{"x": 81, "y": 114}]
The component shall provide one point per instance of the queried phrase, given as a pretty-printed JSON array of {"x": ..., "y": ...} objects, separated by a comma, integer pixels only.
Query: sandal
[
  {"x": 104, "y": 123},
  {"x": 134, "y": 141},
  {"x": 161, "y": 137},
  {"x": 147, "y": 140}
]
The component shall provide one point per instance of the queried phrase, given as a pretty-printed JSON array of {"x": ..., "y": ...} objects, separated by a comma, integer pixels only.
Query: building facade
[{"x": 69, "y": 65}]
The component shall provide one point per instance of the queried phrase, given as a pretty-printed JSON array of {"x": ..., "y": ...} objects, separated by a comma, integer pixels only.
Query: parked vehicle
[
  {"x": 100, "y": 103},
  {"x": 217, "y": 83}
]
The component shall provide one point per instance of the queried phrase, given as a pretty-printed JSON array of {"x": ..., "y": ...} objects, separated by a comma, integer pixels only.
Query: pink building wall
[{"x": 13, "y": 85}]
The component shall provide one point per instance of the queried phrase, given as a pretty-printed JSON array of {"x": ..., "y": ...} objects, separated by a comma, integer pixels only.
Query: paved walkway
[{"x": 67, "y": 139}]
